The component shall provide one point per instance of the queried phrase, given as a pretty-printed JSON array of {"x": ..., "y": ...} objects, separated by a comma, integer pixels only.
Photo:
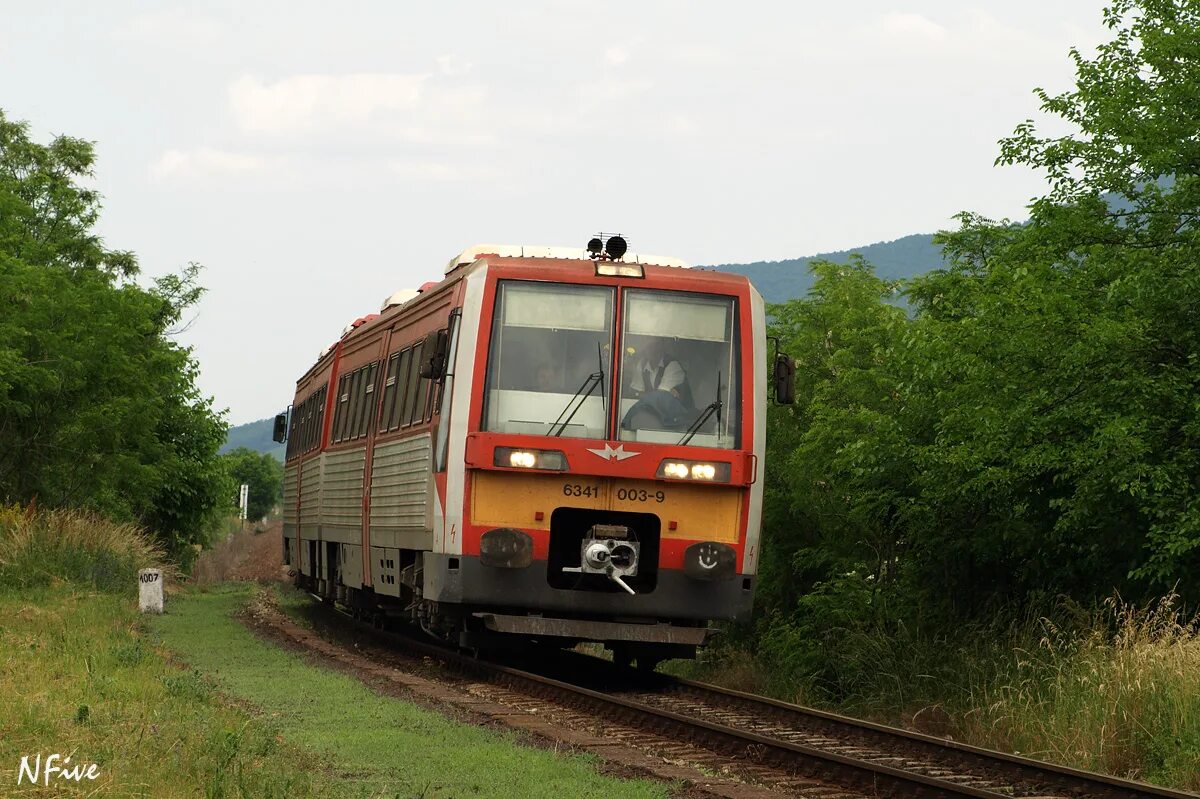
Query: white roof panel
[{"x": 471, "y": 254}]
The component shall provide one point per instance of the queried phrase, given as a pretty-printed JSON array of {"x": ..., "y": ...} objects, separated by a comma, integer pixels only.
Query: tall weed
[
  {"x": 40, "y": 547},
  {"x": 1115, "y": 689},
  {"x": 1121, "y": 695}
]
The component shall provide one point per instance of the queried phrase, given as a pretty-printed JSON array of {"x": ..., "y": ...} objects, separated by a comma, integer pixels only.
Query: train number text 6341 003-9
[{"x": 621, "y": 494}]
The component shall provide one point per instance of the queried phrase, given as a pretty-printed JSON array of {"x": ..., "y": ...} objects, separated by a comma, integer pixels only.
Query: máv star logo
[{"x": 610, "y": 454}]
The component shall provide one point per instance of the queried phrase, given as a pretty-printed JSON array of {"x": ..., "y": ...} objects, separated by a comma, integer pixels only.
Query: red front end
[{"x": 610, "y": 429}]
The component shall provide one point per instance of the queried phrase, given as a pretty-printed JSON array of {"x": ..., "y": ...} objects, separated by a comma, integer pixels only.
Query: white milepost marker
[
  {"x": 150, "y": 591},
  {"x": 244, "y": 500}
]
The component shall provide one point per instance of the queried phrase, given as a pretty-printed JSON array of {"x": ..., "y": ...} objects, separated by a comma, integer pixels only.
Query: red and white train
[{"x": 549, "y": 444}]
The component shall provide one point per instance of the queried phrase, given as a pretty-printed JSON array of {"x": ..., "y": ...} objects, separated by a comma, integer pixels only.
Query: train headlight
[
  {"x": 521, "y": 458},
  {"x": 677, "y": 470},
  {"x": 700, "y": 471},
  {"x": 514, "y": 458}
]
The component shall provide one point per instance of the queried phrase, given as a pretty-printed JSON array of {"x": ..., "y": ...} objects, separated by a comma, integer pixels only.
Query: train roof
[
  {"x": 517, "y": 252},
  {"x": 472, "y": 254}
]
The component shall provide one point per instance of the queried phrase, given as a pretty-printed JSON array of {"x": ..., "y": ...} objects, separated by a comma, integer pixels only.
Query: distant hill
[
  {"x": 779, "y": 281},
  {"x": 255, "y": 436}
]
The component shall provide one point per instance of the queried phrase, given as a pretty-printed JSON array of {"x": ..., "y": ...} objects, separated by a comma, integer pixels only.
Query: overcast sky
[{"x": 316, "y": 157}]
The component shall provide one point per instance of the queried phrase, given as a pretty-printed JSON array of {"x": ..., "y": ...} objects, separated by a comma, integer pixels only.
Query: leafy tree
[
  {"x": 841, "y": 456},
  {"x": 1069, "y": 348},
  {"x": 838, "y": 487},
  {"x": 1032, "y": 430},
  {"x": 98, "y": 406},
  {"x": 262, "y": 472}
]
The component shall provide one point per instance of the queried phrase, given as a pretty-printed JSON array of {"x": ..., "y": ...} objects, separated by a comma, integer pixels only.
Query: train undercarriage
[{"x": 643, "y": 640}]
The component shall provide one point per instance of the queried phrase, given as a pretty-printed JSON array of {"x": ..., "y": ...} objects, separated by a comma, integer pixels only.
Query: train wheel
[{"x": 647, "y": 665}]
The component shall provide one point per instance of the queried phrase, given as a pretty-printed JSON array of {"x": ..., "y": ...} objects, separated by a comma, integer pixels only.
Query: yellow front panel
[
  {"x": 512, "y": 499},
  {"x": 700, "y": 512}
]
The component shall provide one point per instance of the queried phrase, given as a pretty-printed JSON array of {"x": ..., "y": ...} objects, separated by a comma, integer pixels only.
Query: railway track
[
  {"x": 971, "y": 770},
  {"x": 814, "y": 747}
]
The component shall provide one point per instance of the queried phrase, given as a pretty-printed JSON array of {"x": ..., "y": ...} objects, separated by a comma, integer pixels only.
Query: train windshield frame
[
  {"x": 549, "y": 370},
  {"x": 548, "y": 340},
  {"x": 680, "y": 374}
]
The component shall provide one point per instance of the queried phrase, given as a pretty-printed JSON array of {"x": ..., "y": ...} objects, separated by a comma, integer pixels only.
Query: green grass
[
  {"x": 379, "y": 746},
  {"x": 191, "y": 704},
  {"x": 1121, "y": 695},
  {"x": 81, "y": 677}
]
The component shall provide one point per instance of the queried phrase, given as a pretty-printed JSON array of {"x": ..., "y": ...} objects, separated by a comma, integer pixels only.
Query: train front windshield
[
  {"x": 679, "y": 376},
  {"x": 550, "y": 365},
  {"x": 550, "y": 341}
]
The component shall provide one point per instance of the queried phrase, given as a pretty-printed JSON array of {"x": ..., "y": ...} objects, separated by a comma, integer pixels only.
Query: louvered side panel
[
  {"x": 400, "y": 485},
  {"x": 290, "y": 475},
  {"x": 310, "y": 492},
  {"x": 342, "y": 489}
]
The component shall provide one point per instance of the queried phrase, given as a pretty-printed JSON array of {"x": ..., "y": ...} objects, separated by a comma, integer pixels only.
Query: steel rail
[{"x": 1061, "y": 779}]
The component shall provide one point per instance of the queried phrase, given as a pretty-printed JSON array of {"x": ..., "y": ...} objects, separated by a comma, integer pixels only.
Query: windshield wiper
[
  {"x": 709, "y": 410},
  {"x": 589, "y": 385}
]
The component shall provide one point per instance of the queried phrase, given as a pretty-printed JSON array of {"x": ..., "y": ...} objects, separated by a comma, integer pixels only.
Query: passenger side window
[
  {"x": 389, "y": 392},
  {"x": 339, "y": 417},
  {"x": 412, "y": 383},
  {"x": 306, "y": 423},
  {"x": 370, "y": 398},
  {"x": 408, "y": 398},
  {"x": 401, "y": 374}
]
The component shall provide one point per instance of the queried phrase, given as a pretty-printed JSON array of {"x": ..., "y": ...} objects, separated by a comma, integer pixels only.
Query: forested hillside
[
  {"x": 255, "y": 436},
  {"x": 779, "y": 281}
]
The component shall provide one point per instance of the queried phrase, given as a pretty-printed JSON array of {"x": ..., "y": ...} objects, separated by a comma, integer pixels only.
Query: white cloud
[
  {"x": 168, "y": 28},
  {"x": 303, "y": 102},
  {"x": 202, "y": 162},
  {"x": 616, "y": 56},
  {"x": 912, "y": 26},
  {"x": 441, "y": 172},
  {"x": 600, "y": 93},
  {"x": 453, "y": 66}
]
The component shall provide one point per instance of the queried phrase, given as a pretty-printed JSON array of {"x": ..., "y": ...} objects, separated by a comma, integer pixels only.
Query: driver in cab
[{"x": 660, "y": 383}]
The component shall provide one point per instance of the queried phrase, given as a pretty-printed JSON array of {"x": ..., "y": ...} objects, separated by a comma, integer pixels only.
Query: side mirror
[
  {"x": 279, "y": 433},
  {"x": 433, "y": 356},
  {"x": 785, "y": 379}
]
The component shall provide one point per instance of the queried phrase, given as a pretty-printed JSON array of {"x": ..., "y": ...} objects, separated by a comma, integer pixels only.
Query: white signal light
[
  {"x": 677, "y": 470},
  {"x": 522, "y": 459},
  {"x": 551, "y": 460},
  {"x": 609, "y": 269},
  {"x": 694, "y": 470}
]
